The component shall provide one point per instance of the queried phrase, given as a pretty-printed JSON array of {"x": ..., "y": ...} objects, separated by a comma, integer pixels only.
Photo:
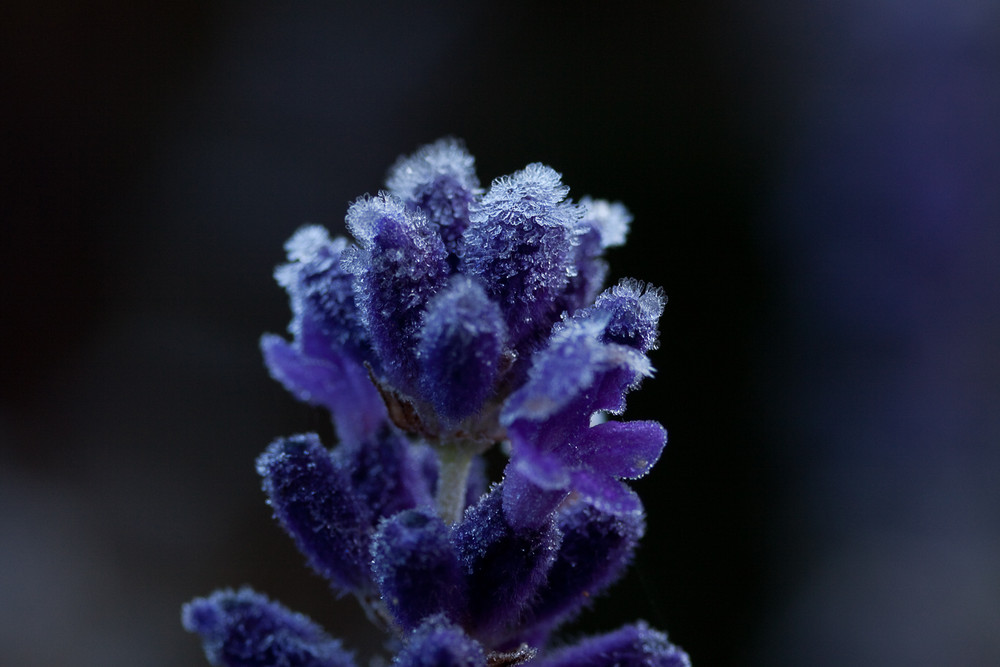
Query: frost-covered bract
[
  {"x": 245, "y": 629},
  {"x": 417, "y": 569},
  {"x": 521, "y": 243},
  {"x": 440, "y": 180},
  {"x": 461, "y": 349}
]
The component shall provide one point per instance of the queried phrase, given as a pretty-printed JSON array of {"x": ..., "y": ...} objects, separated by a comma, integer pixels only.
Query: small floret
[
  {"x": 635, "y": 310},
  {"x": 504, "y": 566},
  {"x": 314, "y": 502},
  {"x": 461, "y": 345},
  {"x": 438, "y": 643},
  {"x": 631, "y": 646},
  {"x": 417, "y": 569},
  {"x": 521, "y": 244},
  {"x": 323, "y": 365},
  {"x": 554, "y": 447},
  {"x": 400, "y": 265},
  {"x": 596, "y": 548},
  {"x": 245, "y": 629},
  {"x": 440, "y": 180}
]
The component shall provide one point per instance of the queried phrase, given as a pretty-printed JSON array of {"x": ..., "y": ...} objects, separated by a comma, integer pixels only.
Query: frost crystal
[{"x": 455, "y": 320}]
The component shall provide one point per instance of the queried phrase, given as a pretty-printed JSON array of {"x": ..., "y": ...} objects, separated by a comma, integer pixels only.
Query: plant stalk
[{"x": 455, "y": 460}]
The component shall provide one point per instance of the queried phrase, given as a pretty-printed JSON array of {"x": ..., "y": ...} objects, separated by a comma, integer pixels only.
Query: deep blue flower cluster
[{"x": 458, "y": 319}]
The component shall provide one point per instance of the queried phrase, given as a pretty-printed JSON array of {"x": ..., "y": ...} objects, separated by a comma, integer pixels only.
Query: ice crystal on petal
[
  {"x": 635, "y": 310},
  {"x": 521, "y": 244},
  {"x": 611, "y": 220},
  {"x": 439, "y": 179},
  {"x": 401, "y": 264}
]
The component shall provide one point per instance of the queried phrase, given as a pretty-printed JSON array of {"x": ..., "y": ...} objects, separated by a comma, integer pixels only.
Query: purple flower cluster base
[{"x": 456, "y": 320}]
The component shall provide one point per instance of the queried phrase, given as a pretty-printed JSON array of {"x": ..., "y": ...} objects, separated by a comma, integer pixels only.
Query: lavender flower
[{"x": 456, "y": 320}]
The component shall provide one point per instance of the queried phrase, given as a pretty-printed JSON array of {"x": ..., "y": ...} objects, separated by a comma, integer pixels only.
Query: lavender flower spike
[{"x": 456, "y": 320}]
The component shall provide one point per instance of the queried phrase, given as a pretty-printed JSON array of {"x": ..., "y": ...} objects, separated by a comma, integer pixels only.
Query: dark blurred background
[{"x": 815, "y": 185}]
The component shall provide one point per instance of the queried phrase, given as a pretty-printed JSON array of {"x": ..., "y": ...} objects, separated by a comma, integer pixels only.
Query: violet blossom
[{"x": 458, "y": 319}]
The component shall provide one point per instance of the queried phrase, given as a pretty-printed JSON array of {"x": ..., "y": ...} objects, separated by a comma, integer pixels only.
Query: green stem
[{"x": 455, "y": 459}]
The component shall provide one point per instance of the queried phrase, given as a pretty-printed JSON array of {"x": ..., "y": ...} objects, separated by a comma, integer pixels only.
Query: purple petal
[
  {"x": 245, "y": 629},
  {"x": 622, "y": 449},
  {"x": 335, "y": 382},
  {"x": 438, "y": 643},
  {"x": 605, "y": 493},
  {"x": 543, "y": 469},
  {"x": 416, "y": 568},
  {"x": 635, "y": 645}
]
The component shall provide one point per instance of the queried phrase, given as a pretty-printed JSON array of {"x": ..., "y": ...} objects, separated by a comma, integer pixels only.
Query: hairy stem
[{"x": 455, "y": 460}]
